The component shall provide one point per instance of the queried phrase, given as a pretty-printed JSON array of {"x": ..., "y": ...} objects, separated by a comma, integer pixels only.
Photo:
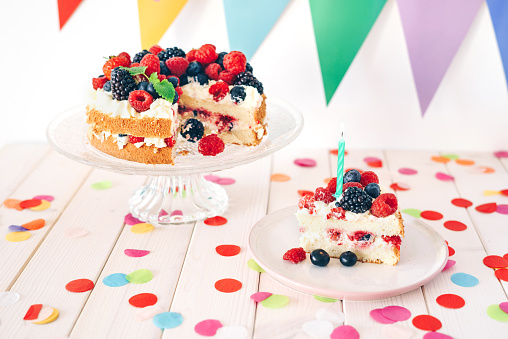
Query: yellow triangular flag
[{"x": 155, "y": 17}]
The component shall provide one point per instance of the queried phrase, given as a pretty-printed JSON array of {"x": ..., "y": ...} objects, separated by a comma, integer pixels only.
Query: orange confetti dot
[
  {"x": 34, "y": 224},
  {"x": 440, "y": 159},
  {"x": 427, "y": 322},
  {"x": 399, "y": 187},
  {"x": 228, "y": 250},
  {"x": 79, "y": 285},
  {"x": 502, "y": 274},
  {"x": 13, "y": 203},
  {"x": 495, "y": 261},
  {"x": 459, "y": 202},
  {"x": 304, "y": 192},
  {"x": 30, "y": 203},
  {"x": 143, "y": 300},
  {"x": 431, "y": 215},
  {"x": 486, "y": 169},
  {"x": 487, "y": 208},
  {"x": 327, "y": 180},
  {"x": 216, "y": 221},
  {"x": 278, "y": 177},
  {"x": 228, "y": 285},
  {"x": 464, "y": 162},
  {"x": 450, "y": 301}
]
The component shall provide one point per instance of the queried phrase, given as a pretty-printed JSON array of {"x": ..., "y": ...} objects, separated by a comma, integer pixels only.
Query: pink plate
[{"x": 423, "y": 255}]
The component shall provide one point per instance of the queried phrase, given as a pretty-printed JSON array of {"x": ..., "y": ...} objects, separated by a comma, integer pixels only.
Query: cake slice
[{"x": 364, "y": 220}]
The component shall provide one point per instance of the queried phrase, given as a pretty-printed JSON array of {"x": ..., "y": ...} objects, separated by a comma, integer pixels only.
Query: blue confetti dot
[
  {"x": 16, "y": 228},
  {"x": 464, "y": 280},
  {"x": 167, "y": 320},
  {"x": 115, "y": 280}
]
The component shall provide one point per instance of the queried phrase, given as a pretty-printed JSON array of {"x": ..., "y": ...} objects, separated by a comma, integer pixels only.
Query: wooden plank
[
  {"x": 61, "y": 259},
  {"x": 55, "y": 175}
]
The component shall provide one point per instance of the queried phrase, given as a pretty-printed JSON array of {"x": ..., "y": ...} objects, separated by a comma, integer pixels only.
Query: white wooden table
[{"x": 186, "y": 266}]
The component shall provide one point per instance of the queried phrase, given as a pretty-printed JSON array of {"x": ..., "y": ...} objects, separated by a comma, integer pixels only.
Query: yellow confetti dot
[
  {"x": 49, "y": 319},
  {"x": 18, "y": 236},
  {"x": 141, "y": 228},
  {"x": 489, "y": 193},
  {"x": 43, "y": 206},
  {"x": 280, "y": 177}
]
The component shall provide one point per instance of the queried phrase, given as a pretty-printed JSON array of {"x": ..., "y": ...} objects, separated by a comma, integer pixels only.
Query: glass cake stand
[{"x": 176, "y": 193}]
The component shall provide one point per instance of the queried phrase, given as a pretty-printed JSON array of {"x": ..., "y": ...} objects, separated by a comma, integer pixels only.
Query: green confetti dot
[
  {"x": 275, "y": 301},
  {"x": 140, "y": 276},
  {"x": 496, "y": 313},
  {"x": 102, "y": 185},
  {"x": 254, "y": 266},
  {"x": 412, "y": 212},
  {"x": 324, "y": 299},
  {"x": 450, "y": 156}
]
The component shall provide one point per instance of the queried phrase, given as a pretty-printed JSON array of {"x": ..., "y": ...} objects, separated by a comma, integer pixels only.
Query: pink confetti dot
[
  {"x": 373, "y": 162},
  {"x": 377, "y": 315},
  {"x": 504, "y": 306},
  {"x": 226, "y": 181},
  {"x": 436, "y": 335},
  {"x": 49, "y": 198},
  {"x": 175, "y": 212},
  {"x": 212, "y": 178},
  {"x": 305, "y": 162},
  {"x": 345, "y": 332},
  {"x": 396, "y": 313},
  {"x": 135, "y": 253},
  {"x": 260, "y": 296},
  {"x": 449, "y": 264},
  {"x": 407, "y": 171},
  {"x": 501, "y": 154},
  {"x": 207, "y": 328},
  {"x": 130, "y": 220},
  {"x": 502, "y": 209},
  {"x": 444, "y": 176}
]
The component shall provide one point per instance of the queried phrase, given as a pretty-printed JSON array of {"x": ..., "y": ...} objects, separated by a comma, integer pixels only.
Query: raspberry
[
  {"x": 138, "y": 56},
  {"x": 213, "y": 71},
  {"x": 177, "y": 65},
  {"x": 152, "y": 63},
  {"x": 126, "y": 56},
  {"x": 155, "y": 49},
  {"x": 179, "y": 91},
  {"x": 332, "y": 185},
  {"x": 211, "y": 145},
  {"x": 140, "y": 100},
  {"x": 206, "y": 54},
  {"x": 393, "y": 239},
  {"x": 161, "y": 77},
  {"x": 351, "y": 184},
  {"x": 359, "y": 236},
  {"x": 384, "y": 205},
  {"x": 369, "y": 177},
  {"x": 113, "y": 63},
  {"x": 333, "y": 233},
  {"x": 337, "y": 213},
  {"x": 219, "y": 90},
  {"x": 170, "y": 142},
  {"x": 99, "y": 82},
  {"x": 295, "y": 255},
  {"x": 228, "y": 77},
  {"x": 191, "y": 56},
  {"x": 135, "y": 140},
  {"x": 307, "y": 201},
  {"x": 324, "y": 195},
  {"x": 235, "y": 62},
  {"x": 135, "y": 64}
]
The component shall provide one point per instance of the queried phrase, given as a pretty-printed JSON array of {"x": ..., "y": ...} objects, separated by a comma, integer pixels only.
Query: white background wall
[{"x": 46, "y": 71}]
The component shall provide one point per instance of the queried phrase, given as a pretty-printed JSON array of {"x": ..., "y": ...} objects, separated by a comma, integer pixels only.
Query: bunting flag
[
  {"x": 340, "y": 27},
  {"x": 499, "y": 15},
  {"x": 249, "y": 22},
  {"x": 65, "y": 10},
  {"x": 434, "y": 31},
  {"x": 155, "y": 16}
]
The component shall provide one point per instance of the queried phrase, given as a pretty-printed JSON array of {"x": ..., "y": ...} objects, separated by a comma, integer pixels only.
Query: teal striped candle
[{"x": 340, "y": 163}]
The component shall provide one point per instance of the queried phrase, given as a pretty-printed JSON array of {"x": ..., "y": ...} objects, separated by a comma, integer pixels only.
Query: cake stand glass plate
[
  {"x": 176, "y": 193},
  {"x": 424, "y": 254}
]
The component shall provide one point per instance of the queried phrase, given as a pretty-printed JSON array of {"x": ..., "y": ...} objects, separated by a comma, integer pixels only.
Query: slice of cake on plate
[{"x": 364, "y": 220}]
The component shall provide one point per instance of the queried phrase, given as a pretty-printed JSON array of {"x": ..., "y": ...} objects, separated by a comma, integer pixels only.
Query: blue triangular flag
[{"x": 499, "y": 15}]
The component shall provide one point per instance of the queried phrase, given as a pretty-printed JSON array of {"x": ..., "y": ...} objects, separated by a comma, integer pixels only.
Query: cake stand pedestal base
[{"x": 178, "y": 199}]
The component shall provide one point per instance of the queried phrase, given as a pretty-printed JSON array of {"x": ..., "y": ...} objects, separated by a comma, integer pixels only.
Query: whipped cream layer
[{"x": 121, "y": 141}]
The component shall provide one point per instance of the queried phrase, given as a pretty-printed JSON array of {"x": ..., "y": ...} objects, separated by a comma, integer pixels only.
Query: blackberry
[
  {"x": 248, "y": 68},
  {"x": 194, "y": 68},
  {"x": 238, "y": 94},
  {"x": 202, "y": 78},
  {"x": 169, "y": 53},
  {"x": 247, "y": 79},
  {"x": 122, "y": 83},
  {"x": 192, "y": 130},
  {"x": 138, "y": 56},
  {"x": 355, "y": 200},
  {"x": 220, "y": 59},
  {"x": 164, "y": 69}
]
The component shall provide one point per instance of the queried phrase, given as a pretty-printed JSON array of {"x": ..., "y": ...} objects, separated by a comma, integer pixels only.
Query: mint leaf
[
  {"x": 165, "y": 89},
  {"x": 154, "y": 79},
  {"x": 135, "y": 70}
]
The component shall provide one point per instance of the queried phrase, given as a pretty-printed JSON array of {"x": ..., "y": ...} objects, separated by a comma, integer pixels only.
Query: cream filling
[
  {"x": 210, "y": 124},
  {"x": 375, "y": 242},
  {"x": 122, "y": 141}
]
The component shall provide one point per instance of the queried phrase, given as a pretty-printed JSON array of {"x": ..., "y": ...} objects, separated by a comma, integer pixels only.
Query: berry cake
[
  {"x": 363, "y": 220},
  {"x": 139, "y": 108}
]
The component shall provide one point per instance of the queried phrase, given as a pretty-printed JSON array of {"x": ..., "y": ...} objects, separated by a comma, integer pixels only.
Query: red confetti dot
[
  {"x": 495, "y": 261},
  {"x": 143, "y": 300},
  {"x": 487, "y": 208},
  {"x": 227, "y": 250},
  {"x": 304, "y": 192},
  {"x": 459, "y": 202},
  {"x": 398, "y": 187},
  {"x": 451, "y": 251},
  {"x": 450, "y": 301},
  {"x": 454, "y": 225},
  {"x": 431, "y": 215},
  {"x": 216, "y": 221},
  {"x": 505, "y": 256},
  {"x": 33, "y": 312},
  {"x": 373, "y": 162},
  {"x": 502, "y": 274},
  {"x": 79, "y": 285},
  {"x": 504, "y": 192},
  {"x": 30, "y": 203},
  {"x": 426, "y": 322},
  {"x": 228, "y": 285},
  {"x": 334, "y": 151}
]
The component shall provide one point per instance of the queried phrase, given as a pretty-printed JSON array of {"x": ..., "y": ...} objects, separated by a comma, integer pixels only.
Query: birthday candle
[{"x": 340, "y": 163}]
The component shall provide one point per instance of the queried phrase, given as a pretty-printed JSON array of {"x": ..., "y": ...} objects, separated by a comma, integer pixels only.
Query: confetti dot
[
  {"x": 505, "y": 256},
  {"x": 130, "y": 220},
  {"x": 173, "y": 213},
  {"x": 75, "y": 232},
  {"x": 49, "y": 198},
  {"x": 139, "y": 276},
  {"x": 30, "y": 203},
  {"x": 444, "y": 177},
  {"x": 260, "y": 296},
  {"x": 16, "y": 228},
  {"x": 50, "y": 319},
  {"x": 212, "y": 178},
  {"x": 450, "y": 156},
  {"x": 318, "y": 328},
  {"x": 397, "y": 313},
  {"x": 228, "y": 250},
  {"x": 142, "y": 228},
  {"x": 275, "y": 301},
  {"x": 143, "y": 300},
  {"x": 115, "y": 280},
  {"x": 33, "y": 312},
  {"x": 208, "y": 327},
  {"x": 148, "y": 312},
  {"x": 373, "y": 162},
  {"x": 216, "y": 221},
  {"x": 495, "y": 261},
  {"x": 407, "y": 171},
  {"x": 79, "y": 285},
  {"x": 501, "y": 154},
  {"x": 502, "y": 209},
  {"x": 488, "y": 193},
  {"x": 412, "y": 212},
  {"x": 378, "y": 316},
  {"x": 450, "y": 301},
  {"x": 459, "y": 202},
  {"x": 102, "y": 185},
  {"x": 43, "y": 206},
  {"x": 431, "y": 215},
  {"x": 485, "y": 169},
  {"x": 449, "y": 264},
  {"x": 399, "y": 187},
  {"x": 324, "y": 299},
  {"x": 334, "y": 151},
  {"x": 439, "y": 159},
  {"x": 464, "y": 280},
  {"x": 167, "y": 320},
  {"x": 345, "y": 332},
  {"x": 504, "y": 306},
  {"x": 451, "y": 251},
  {"x": 464, "y": 162},
  {"x": 18, "y": 236},
  {"x": 254, "y": 266},
  {"x": 502, "y": 274},
  {"x": 226, "y": 181},
  {"x": 13, "y": 203},
  {"x": 231, "y": 332},
  {"x": 305, "y": 162},
  {"x": 135, "y": 253},
  {"x": 8, "y": 298},
  {"x": 228, "y": 285},
  {"x": 34, "y": 224},
  {"x": 496, "y": 313},
  {"x": 44, "y": 314},
  {"x": 330, "y": 315},
  {"x": 504, "y": 192},
  {"x": 487, "y": 208},
  {"x": 426, "y": 322},
  {"x": 454, "y": 225},
  {"x": 304, "y": 192},
  {"x": 436, "y": 335},
  {"x": 278, "y": 177}
]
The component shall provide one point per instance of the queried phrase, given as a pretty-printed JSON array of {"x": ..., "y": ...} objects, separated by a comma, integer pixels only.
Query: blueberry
[
  {"x": 352, "y": 176},
  {"x": 148, "y": 87},
  {"x": 238, "y": 94},
  {"x": 164, "y": 69},
  {"x": 373, "y": 190},
  {"x": 348, "y": 258},
  {"x": 174, "y": 81},
  {"x": 366, "y": 237},
  {"x": 122, "y": 135},
  {"x": 175, "y": 99},
  {"x": 319, "y": 257},
  {"x": 220, "y": 59},
  {"x": 192, "y": 130},
  {"x": 194, "y": 68},
  {"x": 248, "y": 68},
  {"x": 201, "y": 78},
  {"x": 107, "y": 86},
  {"x": 184, "y": 80},
  {"x": 142, "y": 86}
]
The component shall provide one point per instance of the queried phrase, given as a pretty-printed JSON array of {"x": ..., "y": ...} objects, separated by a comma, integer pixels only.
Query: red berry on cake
[
  {"x": 219, "y": 90},
  {"x": 211, "y": 145},
  {"x": 140, "y": 100},
  {"x": 351, "y": 184},
  {"x": 213, "y": 70},
  {"x": 384, "y": 205},
  {"x": 113, "y": 63},
  {"x": 152, "y": 64},
  {"x": 126, "y": 56},
  {"x": 170, "y": 142},
  {"x": 177, "y": 65},
  {"x": 228, "y": 77},
  {"x": 235, "y": 62},
  {"x": 99, "y": 82},
  {"x": 135, "y": 140},
  {"x": 332, "y": 185},
  {"x": 324, "y": 195},
  {"x": 295, "y": 255},
  {"x": 191, "y": 55},
  {"x": 155, "y": 49},
  {"x": 369, "y": 177},
  {"x": 337, "y": 213},
  {"x": 206, "y": 54},
  {"x": 135, "y": 64},
  {"x": 161, "y": 77},
  {"x": 307, "y": 201}
]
